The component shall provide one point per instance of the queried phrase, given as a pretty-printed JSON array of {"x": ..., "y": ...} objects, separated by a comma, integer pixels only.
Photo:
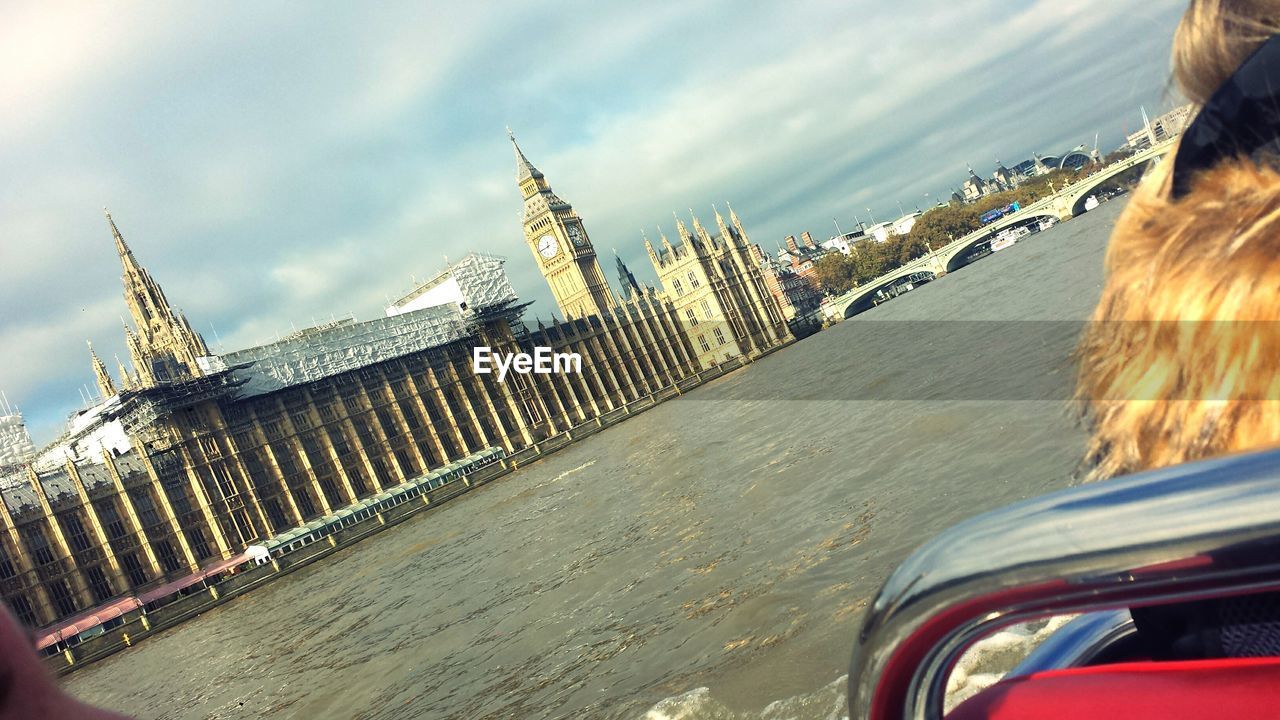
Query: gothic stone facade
[{"x": 218, "y": 458}]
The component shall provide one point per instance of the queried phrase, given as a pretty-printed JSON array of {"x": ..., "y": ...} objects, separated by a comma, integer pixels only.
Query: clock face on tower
[
  {"x": 575, "y": 235},
  {"x": 547, "y": 246}
]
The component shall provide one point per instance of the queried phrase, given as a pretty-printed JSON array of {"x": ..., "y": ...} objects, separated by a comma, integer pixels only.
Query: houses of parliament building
[{"x": 190, "y": 456}]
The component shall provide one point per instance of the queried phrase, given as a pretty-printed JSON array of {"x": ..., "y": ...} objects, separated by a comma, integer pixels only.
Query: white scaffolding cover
[
  {"x": 475, "y": 282},
  {"x": 322, "y": 352}
]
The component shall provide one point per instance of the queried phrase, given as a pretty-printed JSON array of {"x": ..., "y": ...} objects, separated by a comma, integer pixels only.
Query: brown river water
[{"x": 709, "y": 558}]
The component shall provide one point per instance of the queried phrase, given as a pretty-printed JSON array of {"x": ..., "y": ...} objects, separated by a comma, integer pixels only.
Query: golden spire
[
  {"x": 666, "y": 244},
  {"x": 726, "y": 234},
  {"x": 105, "y": 385},
  {"x": 121, "y": 247},
  {"x": 681, "y": 230},
  {"x": 125, "y": 382},
  {"x": 700, "y": 232},
  {"x": 737, "y": 224},
  {"x": 524, "y": 168}
]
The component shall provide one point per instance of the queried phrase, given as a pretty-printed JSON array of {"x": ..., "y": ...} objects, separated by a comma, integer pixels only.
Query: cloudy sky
[{"x": 273, "y": 166}]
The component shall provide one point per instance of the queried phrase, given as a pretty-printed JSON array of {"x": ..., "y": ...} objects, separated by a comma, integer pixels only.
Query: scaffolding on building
[
  {"x": 323, "y": 352},
  {"x": 475, "y": 282}
]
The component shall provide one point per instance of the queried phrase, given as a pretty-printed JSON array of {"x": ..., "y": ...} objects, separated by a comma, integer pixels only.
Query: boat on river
[
  {"x": 1172, "y": 576},
  {"x": 1007, "y": 237}
]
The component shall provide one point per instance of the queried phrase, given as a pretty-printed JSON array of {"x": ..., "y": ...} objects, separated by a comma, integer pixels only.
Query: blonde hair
[
  {"x": 1178, "y": 363},
  {"x": 1214, "y": 37}
]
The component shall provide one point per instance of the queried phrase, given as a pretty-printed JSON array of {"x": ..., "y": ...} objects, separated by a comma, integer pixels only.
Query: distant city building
[
  {"x": 796, "y": 294},
  {"x": 880, "y": 231},
  {"x": 1154, "y": 132},
  {"x": 1004, "y": 178},
  {"x": 973, "y": 188},
  {"x": 903, "y": 225},
  {"x": 843, "y": 243},
  {"x": 801, "y": 256}
]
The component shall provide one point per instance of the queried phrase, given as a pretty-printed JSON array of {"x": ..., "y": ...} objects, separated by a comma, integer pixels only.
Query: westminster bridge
[{"x": 1062, "y": 205}]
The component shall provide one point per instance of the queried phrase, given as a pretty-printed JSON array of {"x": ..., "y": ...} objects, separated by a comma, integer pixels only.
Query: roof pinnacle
[
  {"x": 524, "y": 168},
  {"x": 121, "y": 247}
]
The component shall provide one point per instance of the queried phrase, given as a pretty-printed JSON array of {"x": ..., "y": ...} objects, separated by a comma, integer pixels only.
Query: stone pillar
[
  {"x": 166, "y": 510},
  {"x": 661, "y": 343},
  {"x": 428, "y": 422},
  {"x": 249, "y": 487},
  {"x": 371, "y": 418},
  {"x": 319, "y": 428},
  {"x": 292, "y": 444},
  {"x": 609, "y": 360},
  {"x": 78, "y": 584},
  {"x": 131, "y": 516},
  {"x": 443, "y": 403},
  {"x": 630, "y": 333},
  {"x": 36, "y": 591},
  {"x": 272, "y": 466},
  {"x": 683, "y": 340},
  {"x": 591, "y": 393},
  {"x": 201, "y": 497},
  {"x": 348, "y": 429},
  {"x": 480, "y": 391},
  {"x": 95, "y": 526},
  {"x": 497, "y": 395}
]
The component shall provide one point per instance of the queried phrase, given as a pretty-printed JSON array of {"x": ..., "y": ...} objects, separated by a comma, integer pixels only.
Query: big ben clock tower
[{"x": 560, "y": 245}]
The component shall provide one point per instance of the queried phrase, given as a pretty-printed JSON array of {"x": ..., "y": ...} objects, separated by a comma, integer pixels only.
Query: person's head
[
  {"x": 1179, "y": 363},
  {"x": 1214, "y": 37}
]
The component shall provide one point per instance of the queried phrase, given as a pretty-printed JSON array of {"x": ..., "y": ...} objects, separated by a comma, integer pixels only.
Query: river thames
[{"x": 709, "y": 558}]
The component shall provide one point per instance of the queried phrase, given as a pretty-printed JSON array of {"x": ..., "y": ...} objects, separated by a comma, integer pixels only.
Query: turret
[
  {"x": 737, "y": 224},
  {"x": 165, "y": 343},
  {"x": 626, "y": 280},
  {"x": 700, "y": 232},
  {"x": 686, "y": 237},
  {"x": 106, "y": 387},
  {"x": 126, "y": 383},
  {"x": 666, "y": 244},
  {"x": 725, "y": 232}
]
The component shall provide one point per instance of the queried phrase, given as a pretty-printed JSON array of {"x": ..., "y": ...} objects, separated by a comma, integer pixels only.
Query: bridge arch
[
  {"x": 1089, "y": 186},
  {"x": 865, "y": 297},
  {"x": 957, "y": 256}
]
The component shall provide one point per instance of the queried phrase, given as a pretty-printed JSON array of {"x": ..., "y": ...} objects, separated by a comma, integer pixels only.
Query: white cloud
[{"x": 273, "y": 166}]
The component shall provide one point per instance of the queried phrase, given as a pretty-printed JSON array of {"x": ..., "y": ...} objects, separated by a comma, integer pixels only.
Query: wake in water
[
  {"x": 828, "y": 703},
  {"x": 979, "y": 668}
]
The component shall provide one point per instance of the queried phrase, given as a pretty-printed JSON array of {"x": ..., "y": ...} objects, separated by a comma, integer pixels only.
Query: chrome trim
[
  {"x": 1078, "y": 642},
  {"x": 1183, "y": 533}
]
